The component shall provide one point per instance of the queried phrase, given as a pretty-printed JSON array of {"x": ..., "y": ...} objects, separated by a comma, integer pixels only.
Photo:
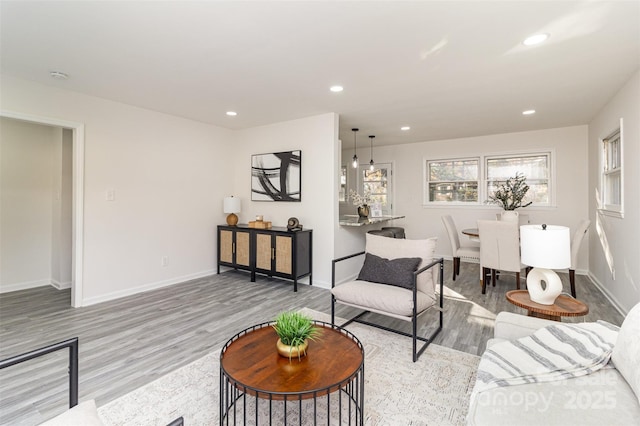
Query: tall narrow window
[
  {"x": 342, "y": 196},
  {"x": 612, "y": 172},
  {"x": 377, "y": 183},
  {"x": 452, "y": 181}
]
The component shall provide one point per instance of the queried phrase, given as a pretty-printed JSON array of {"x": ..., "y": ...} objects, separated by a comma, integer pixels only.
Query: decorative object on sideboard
[
  {"x": 510, "y": 195},
  {"x": 293, "y": 224},
  {"x": 362, "y": 202},
  {"x": 260, "y": 223},
  {"x": 277, "y": 176},
  {"x": 371, "y": 163},
  {"x": 354, "y": 162},
  {"x": 231, "y": 206},
  {"x": 294, "y": 331},
  {"x": 545, "y": 247}
]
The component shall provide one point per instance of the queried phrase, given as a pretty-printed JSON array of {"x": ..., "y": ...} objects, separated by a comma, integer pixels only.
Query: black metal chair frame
[
  {"x": 414, "y": 317},
  {"x": 72, "y": 344}
]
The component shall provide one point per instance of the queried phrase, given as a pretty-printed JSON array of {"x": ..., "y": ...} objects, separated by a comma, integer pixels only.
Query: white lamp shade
[
  {"x": 545, "y": 248},
  {"x": 231, "y": 205}
]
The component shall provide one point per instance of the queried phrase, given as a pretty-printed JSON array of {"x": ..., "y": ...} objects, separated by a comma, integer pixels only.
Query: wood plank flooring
[{"x": 132, "y": 341}]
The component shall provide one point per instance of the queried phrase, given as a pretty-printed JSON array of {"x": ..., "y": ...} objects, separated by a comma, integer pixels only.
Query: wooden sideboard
[{"x": 274, "y": 252}]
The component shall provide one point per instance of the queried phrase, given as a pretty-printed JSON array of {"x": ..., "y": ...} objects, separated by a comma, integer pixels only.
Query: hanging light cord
[
  {"x": 355, "y": 148},
  {"x": 371, "y": 163}
]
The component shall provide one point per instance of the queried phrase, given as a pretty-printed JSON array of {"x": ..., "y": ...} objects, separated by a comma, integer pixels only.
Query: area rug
[{"x": 434, "y": 390}]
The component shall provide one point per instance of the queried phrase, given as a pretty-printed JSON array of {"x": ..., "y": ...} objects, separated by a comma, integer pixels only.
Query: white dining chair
[
  {"x": 499, "y": 250},
  {"x": 459, "y": 252},
  {"x": 576, "y": 241}
]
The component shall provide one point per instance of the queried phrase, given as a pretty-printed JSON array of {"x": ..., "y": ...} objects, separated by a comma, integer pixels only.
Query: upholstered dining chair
[
  {"x": 467, "y": 253},
  {"x": 576, "y": 241},
  {"x": 499, "y": 250}
]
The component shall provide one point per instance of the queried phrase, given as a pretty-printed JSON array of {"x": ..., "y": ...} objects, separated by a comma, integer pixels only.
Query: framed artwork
[{"x": 276, "y": 177}]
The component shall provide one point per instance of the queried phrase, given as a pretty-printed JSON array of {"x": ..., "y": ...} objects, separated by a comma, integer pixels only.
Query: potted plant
[
  {"x": 511, "y": 193},
  {"x": 361, "y": 201},
  {"x": 294, "y": 331}
]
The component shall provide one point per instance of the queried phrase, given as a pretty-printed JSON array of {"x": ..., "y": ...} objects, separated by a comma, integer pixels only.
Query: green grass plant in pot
[{"x": 294, "y": 331}]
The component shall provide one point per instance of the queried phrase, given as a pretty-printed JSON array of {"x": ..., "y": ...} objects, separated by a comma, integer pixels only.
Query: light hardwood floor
[{"x": 134, "y": 340}]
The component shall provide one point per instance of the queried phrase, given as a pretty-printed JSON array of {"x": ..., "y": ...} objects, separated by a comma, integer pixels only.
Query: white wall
[
  {"x": 569, "y": 145},
  {"x": 614, "y": 248},
  {"x": 169, "y": 176},
  {"x": 26, "y": 189},
  {"x": 61, "y": 193},
  {"x": 317, "y": 138}
]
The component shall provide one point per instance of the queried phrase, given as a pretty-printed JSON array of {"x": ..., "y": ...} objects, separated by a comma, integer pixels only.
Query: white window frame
[
  {"x": 550, "y": 177},
  {"x": 426, "y": 182},
  {"x": 483, "y": 181},
  {"x": 615, "y": 210},
  {"x": 388, "y": 210}
]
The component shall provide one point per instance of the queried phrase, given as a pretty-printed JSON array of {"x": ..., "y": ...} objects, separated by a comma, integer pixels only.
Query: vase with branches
[{"x": 510, "y": 195}]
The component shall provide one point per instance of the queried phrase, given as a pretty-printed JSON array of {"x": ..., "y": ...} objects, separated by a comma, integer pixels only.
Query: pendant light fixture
[
  {"x": 371, "y": 167},
  {"x": 355, "y": 149}
]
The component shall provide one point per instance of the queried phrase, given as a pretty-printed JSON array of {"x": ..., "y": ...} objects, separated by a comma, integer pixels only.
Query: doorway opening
[{"x": 77, "y": 194}]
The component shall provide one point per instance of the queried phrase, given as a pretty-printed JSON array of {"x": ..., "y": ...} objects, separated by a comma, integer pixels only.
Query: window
[
  {"x": 469, "y": 181},
  {"x": 534, "y": 167},
  {"x": 453, "y": 181},
  {"x": 612, "y": 172},
  {"x": 377, "y": 183},
  {"x": 342, "y": 195}
]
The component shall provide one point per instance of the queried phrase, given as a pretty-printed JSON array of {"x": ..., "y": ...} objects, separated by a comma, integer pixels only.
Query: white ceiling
[{"x": 448, "y": 69}]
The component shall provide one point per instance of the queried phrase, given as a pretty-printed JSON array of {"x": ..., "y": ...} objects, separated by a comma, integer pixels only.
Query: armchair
[{"x": 406, "y": 300}]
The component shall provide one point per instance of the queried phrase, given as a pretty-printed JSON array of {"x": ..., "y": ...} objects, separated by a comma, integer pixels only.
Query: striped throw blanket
[{"x": 551, "y": 353}]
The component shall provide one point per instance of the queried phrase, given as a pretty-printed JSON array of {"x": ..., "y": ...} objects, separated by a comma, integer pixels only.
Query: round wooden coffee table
[
  {"x": 564, "y": 306},
  {"x": 258, "y": 385}
]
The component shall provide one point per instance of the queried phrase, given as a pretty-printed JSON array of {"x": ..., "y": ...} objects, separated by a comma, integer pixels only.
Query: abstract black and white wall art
[{"x": 276, "y": 177}]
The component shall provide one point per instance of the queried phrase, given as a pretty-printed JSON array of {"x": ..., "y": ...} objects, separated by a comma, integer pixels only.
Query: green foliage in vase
[
  {"x": 293, "y": 328},
  {"x": 511, "y": 193}
]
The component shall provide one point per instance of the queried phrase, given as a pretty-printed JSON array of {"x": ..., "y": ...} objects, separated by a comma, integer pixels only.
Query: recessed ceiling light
[
  {"x": 529, "y": 112},
  {"x": 535, "y": 39},
  {"x": 405, "y": 128},
  {"x": 232, "y": 113},
  {"x": 59, "y": 75},
  {"x": 336, "y": 89}
]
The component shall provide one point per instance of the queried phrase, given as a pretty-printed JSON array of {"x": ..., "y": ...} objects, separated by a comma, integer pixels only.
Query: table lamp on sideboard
[
  {"x": 545, "y": 247},
  {"x": 232, "y": 206}
]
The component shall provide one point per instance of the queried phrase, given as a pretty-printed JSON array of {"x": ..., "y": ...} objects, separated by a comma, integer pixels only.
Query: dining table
[{"x": 471, "y": 232}]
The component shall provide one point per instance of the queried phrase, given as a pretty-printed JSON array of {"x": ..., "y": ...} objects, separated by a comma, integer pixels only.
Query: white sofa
[{"x": 610, "y": 396}]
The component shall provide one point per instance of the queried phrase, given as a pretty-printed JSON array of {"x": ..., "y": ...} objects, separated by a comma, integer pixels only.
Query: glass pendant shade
[{"x": 355, "y": 149}]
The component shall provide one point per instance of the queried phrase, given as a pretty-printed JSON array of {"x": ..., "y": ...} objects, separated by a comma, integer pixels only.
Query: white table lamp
[
  {"x": 232, "y": 206},
  {"x": 545, "y": 247}
]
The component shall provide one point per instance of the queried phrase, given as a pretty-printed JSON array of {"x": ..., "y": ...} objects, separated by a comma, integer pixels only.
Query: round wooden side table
[
  {"x": 258, "y": 386},
  {"x": 564, "y": 306}
]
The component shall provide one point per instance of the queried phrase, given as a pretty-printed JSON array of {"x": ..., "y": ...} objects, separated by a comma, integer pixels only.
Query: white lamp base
[{"x": 534, "y": 285}]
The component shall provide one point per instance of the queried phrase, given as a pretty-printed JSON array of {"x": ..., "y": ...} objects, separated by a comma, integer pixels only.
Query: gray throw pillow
[{"x": 398, "y": 272}]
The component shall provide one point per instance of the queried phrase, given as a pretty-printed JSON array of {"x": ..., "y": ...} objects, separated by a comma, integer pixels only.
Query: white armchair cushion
[
  {"x": 381, "y": 298},
  {"x": 626, "y": 352},
  {"x": 83, "y": 414}
]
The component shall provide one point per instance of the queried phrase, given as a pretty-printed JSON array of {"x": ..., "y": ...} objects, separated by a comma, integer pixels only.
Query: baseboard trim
[
  {"x": 61, "y": 286},
  {"x": 24, "y": 285},
  {"x": 146, "y": 287},
  {"x": 611, "y": 298}
]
